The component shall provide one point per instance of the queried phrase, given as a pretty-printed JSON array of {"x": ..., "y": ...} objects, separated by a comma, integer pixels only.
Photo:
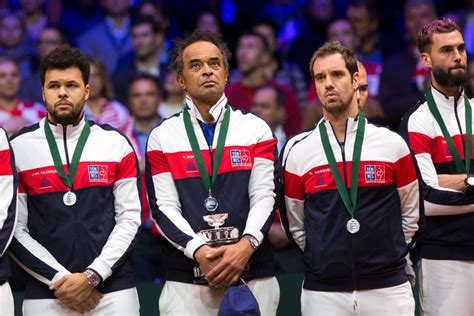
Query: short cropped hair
[
  {"x": 330, "y": 48},
  {"x": 140, "y": 20},
  {"x": 197, "y": 36},
  {"x": 62, "y": 58},
  {"x": 144, "y": 76},
  {"x": 425, "y": 34}
]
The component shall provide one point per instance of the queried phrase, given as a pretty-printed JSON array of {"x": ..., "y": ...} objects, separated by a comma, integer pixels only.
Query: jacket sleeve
[
  {"x": 408, "y": 191},
  {"x": 8, "y": 193},
  {"x": 291, "y": 194},
  {"x": 164, "y": 200},
  {"x": 128, "y": 209},
  {"x": 438, "y": 201},
  {"x": 261, "y": 187}
]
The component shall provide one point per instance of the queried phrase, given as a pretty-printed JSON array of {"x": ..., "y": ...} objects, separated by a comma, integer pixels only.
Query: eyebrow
[
  {"x": 200, "y": 60},
  {"x": 57, "y": 81}
]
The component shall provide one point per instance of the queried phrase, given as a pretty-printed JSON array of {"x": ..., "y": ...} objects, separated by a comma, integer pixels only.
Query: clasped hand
[
  {"x": 74, "y": 292},
  {"x": 223, "y": 266}
]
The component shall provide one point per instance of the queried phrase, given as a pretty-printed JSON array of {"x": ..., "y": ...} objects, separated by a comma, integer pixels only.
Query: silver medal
[
  {"x": 210, "y": 204},
  {"x": 69, "y": 198},
  {"x": 353, "y": 226}
]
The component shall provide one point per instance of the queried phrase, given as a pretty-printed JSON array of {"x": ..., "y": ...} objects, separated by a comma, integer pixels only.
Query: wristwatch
[
  {"x": 469, "y": 182},
  {"x": 253, "y": 241},
  {"x": 93, "y": 278}
]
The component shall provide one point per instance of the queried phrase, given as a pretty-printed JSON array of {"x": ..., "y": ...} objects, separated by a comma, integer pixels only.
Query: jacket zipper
[
  {"x": 459, "y": 125},
  {"x": 75, "y": 209},
  {"x": 343, "y": 152}
]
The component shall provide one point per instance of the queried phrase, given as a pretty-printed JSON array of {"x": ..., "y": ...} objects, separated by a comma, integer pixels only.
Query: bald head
[{"x": 363, "y": 88}]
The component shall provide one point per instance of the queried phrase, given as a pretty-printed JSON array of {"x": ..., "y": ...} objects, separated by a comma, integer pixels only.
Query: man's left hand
[
  {"x": 234, "y": 259},
  {"x": 72, "y": 289}
]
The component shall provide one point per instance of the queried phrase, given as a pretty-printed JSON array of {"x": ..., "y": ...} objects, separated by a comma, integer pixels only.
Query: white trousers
[
  {"x": 6, "y": 300},
  {"x": 447, "y": 287},
  {"x": 396, "y": 300},
  {"x": 123, "y": 303},
  {"x": 184, "y": 299}
]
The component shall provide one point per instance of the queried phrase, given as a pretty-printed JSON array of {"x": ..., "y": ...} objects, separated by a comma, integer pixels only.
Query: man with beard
[
  {"x": 439, "y": 131},
  {"x": 78, "y": 202},
  {"x": 349, "y": 200}
]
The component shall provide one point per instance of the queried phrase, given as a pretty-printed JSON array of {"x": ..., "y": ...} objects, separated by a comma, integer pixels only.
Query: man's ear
[
  {"x": 181, "y": 82},
  {"x": 426, "y": 60},
  {"x": 355, "y": 81},
  {"x": 88, "y": 90}
]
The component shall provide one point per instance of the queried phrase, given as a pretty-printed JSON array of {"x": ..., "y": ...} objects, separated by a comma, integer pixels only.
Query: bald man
[{"x": 371, "y": 107}]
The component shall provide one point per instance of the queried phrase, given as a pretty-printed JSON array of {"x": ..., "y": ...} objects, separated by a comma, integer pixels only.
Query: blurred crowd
[{"x": 133, "y": 89}]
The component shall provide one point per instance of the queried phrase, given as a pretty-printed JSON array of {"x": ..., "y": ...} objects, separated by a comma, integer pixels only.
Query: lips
[
  {"x": 207, "y": 82},
  {"x": 63, "y": 103}
]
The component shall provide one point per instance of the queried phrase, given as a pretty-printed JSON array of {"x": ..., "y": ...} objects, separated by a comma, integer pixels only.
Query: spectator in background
[
  {"x": 109, "y": 40},
  {"x": 252, "y": 50},
  {"x": 15, "y": 42},
  {"x": 404, "y": 79},
  {"x": 14, "y": 112},
  {"x": 279, "y": 69},
  {"x": 49, "y": 38},
  {"x": 35, "y": 19},
  {"x": 364, "y": 18},
  {"x": 173, "y": 96},
  {"x": 143, "y": 101},
  {"x": 317, "y": 15},
  {"x": 148, "y": 55},
  {"x": 269, "y": 105},
  {"x": 160, "y": 12},
  {"x": 342, "y": 31},
  {"x": 208, "y": 21},
  {"x": 101, "y": 106}
]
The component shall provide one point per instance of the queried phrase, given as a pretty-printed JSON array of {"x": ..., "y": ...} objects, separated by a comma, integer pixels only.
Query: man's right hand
[
  {"x": 203, "y": 255},
  {"x": 87, "y": 305}
]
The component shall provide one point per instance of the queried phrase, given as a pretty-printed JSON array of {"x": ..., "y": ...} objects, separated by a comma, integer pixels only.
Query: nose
[
  {"x": 62, "y": 92},
  {"x": 206, "y": 69},
  {"x": 457, "y": 55},
  {"x": 328, "y": 83}
]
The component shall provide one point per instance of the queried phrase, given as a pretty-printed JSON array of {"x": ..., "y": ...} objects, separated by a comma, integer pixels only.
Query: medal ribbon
[
  {"x": 53, "y": 148},
  {"x": 208, "y": 183},
  {"x": 460, "y": 167},
  {"x": 348, "y": 196}
]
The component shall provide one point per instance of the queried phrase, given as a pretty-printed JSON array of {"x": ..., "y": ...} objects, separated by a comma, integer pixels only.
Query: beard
[
  {"x": 449, "y": 79},
  {"x": 67, "y": 118}
]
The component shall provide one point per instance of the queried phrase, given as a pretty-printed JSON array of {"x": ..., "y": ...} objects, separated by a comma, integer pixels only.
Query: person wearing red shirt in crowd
[
  {"x": 14, "y": 112},
  {"x": 251, "y": 54}
]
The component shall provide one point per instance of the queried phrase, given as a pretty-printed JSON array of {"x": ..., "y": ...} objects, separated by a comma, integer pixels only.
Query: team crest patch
[
  {"x": 44, "y": 183},
  {"x": 240, "y": 158},
  {"x": 375, "y": 174},
  {"x": 98, "y": 173}
]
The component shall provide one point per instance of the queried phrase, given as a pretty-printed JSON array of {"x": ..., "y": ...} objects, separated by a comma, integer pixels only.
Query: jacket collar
[
  {"x": 72, "y": 131},
  {"x": 351, "y": 126},
  {"x": 446, "y": 102},
  {"x": 215, "y": 110}
]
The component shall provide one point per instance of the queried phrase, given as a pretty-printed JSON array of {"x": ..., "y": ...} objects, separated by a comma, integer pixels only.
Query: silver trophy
[
  {"x": 218, "y": 235},
  {"x": 215, "y": 237}
]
